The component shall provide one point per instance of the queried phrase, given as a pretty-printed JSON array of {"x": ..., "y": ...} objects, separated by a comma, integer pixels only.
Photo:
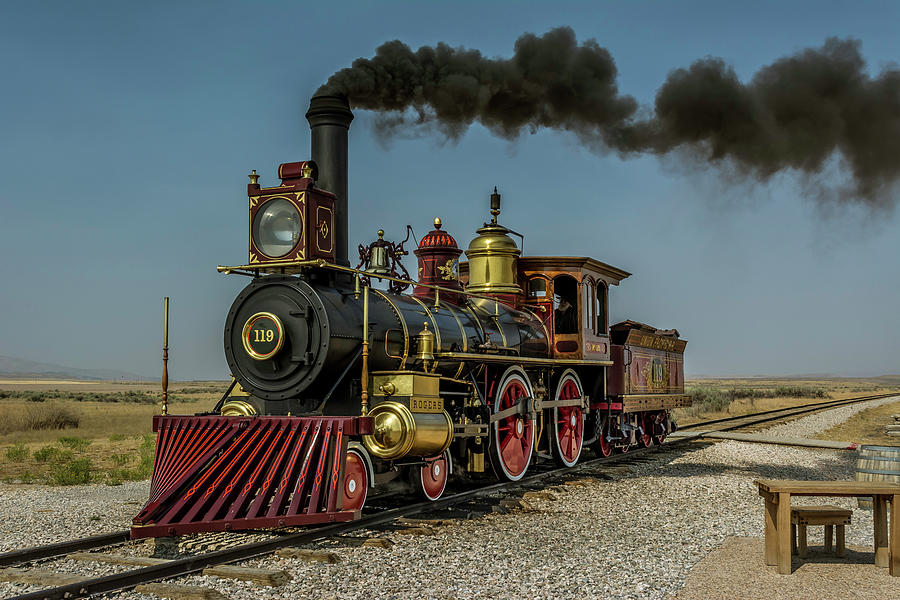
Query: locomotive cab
[{"x": 569, "y": 294}]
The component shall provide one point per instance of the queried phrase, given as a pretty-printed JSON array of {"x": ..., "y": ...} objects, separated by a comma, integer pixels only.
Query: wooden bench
[
  {"x": 829, "y": 516},
  {"x": 778, "y": 493}
]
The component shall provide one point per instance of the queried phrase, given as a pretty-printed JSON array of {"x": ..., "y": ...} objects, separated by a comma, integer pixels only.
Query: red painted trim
[{"x": 146, "y": 531}]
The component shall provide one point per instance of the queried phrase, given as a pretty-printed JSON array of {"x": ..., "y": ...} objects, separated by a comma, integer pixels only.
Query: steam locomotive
[{"x": 356, "y": 380}]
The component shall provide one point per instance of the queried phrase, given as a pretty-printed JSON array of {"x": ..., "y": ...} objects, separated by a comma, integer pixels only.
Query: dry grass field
[
  {"x": 68, "y": 432},
  {"x": 867, "y": 427},
  {"x": 62, "y": 432},
  {"x": 716, "y": 398}
]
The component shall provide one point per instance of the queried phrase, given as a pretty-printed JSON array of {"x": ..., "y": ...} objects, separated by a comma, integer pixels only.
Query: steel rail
[
  {"x": 789, "y": 411},
  {"x": 186, "y": 566},
  {"x": 38, "y": 552}
]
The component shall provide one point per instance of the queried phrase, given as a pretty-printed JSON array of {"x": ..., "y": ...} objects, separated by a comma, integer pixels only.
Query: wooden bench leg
[
  {"x": 895, "y": 536},
  {"x": 879, "y": 514},
  {"x": 771, "y": 535},
  {"x": 793, "y": 539},
  {"x": 840, "y": 540},
  {"x": 783, "y": 528},
  {"x": 829, "y": 532},
  {"x": 801, "y": 535}
]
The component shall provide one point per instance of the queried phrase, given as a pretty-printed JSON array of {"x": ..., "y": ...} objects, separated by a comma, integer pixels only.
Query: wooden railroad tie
[
  {"x": 37, "y": 577},
  {"x": 365, "y": 542},
  {"x": 539, "y": 496},
  {"x": 428, "y": 522},
  {"x": 115, "y": 559},
  {"x": 416, "y": 531},
  {"x": 516, "y": 504},
  {"x": 830, "y": 516},
  {"x": 309, "y": 555},
  {"x": 583, "y": 482},
  {"x": 179, "y": 592},
  {"x": 268, "y": 577}
]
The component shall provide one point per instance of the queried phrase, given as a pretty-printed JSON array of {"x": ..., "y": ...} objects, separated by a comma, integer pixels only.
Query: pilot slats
[{"x": 215, "y": 473}]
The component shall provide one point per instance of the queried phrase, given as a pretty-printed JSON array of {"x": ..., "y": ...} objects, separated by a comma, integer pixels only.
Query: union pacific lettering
[{"x": 658, "y": 343}]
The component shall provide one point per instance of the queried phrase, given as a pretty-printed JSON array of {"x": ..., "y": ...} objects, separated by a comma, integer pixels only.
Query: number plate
[{"x": 263, "y": 335}]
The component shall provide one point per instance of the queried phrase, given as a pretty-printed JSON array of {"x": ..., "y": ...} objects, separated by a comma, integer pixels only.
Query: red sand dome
[{"x": 438, "y": 257}]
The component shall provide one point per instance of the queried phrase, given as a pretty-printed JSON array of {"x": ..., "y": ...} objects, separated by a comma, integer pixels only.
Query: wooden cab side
[{"x": 570, "y": 295}]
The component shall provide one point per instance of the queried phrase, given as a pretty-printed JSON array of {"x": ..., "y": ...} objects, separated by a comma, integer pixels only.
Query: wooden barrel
[{"x": 877, "y": 463}]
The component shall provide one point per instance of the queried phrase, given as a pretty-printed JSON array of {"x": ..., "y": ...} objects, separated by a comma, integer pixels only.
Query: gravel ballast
[{"x": 635, "y": 533}]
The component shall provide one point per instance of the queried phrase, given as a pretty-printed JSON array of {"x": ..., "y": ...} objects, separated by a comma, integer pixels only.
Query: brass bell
[
  {"x": 425, "y": 343},
  {"x": 379, "y": 262}
]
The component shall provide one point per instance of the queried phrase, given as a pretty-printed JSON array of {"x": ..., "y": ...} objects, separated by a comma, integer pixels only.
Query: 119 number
[{"x": 263, "y": 335}]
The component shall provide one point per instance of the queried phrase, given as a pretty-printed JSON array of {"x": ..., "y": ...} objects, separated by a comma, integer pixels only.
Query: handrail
[{"x": 253, "y": 271}]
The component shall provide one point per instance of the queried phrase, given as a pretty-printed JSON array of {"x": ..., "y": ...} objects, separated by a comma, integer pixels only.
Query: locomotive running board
[{"x": 215, "y": 473}]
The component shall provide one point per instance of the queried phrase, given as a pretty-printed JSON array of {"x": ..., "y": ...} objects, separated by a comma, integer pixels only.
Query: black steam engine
[{"x": 346, "y": 381}]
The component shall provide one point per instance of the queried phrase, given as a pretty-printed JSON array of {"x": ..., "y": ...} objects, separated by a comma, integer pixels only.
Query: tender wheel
[
  {"x": 659, "y": 439},
  {"x": 602, "y": 446},
  {"x": 569, "y": 421},
  {"x": 356, "y": 481},
  {"x": 646, "y": 439},
  {"x": 431, "y": 478},
  {"x": 513, "y": 436},
  {"x": 625, "y": 444}
]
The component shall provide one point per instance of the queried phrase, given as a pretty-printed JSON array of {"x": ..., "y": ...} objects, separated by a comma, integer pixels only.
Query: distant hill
[{"x": 19, "y": 368}]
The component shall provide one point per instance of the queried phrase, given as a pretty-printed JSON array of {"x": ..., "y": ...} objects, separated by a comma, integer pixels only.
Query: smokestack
[{"x": 329, "y": 119}]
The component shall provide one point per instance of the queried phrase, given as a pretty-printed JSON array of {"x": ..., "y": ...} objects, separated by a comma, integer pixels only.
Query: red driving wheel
[
  {"x": 513, "y": 436},
  {"x": 569, "y": 421},
  {"x": 356, "y": 481}
]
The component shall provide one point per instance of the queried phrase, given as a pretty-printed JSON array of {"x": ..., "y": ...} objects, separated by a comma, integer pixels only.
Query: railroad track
[
  {"x": 381, "y": 517},
  {"x": 767, "y": 416}
]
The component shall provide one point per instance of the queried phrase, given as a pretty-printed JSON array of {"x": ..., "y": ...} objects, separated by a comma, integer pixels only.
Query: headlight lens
[{"x": 277, "y": 228}]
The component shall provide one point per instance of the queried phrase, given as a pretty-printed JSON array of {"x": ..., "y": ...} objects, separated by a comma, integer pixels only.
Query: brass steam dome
[{"x": 492, "y": 257}]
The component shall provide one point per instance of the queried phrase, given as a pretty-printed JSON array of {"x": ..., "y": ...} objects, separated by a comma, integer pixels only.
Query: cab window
[
  {"x": 565, "y": 304},
  {"x": 537, "y": 287},
  {"x": 601, "y": 307},
  {"x": 587, "y": 302}
]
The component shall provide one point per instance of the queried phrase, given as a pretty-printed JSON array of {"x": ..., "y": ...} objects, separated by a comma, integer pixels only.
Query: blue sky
[{"x": 128, "y": 130}]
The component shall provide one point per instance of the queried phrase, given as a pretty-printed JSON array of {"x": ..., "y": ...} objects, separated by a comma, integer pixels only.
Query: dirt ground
[{"x": 737, "y": 570}]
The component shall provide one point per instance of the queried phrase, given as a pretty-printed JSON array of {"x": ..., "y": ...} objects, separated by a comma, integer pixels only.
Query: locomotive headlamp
[{"x": 277, "y": 228}]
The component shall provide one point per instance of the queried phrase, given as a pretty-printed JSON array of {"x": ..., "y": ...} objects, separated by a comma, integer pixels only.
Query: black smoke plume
[{"x": 797, "y": 113}]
